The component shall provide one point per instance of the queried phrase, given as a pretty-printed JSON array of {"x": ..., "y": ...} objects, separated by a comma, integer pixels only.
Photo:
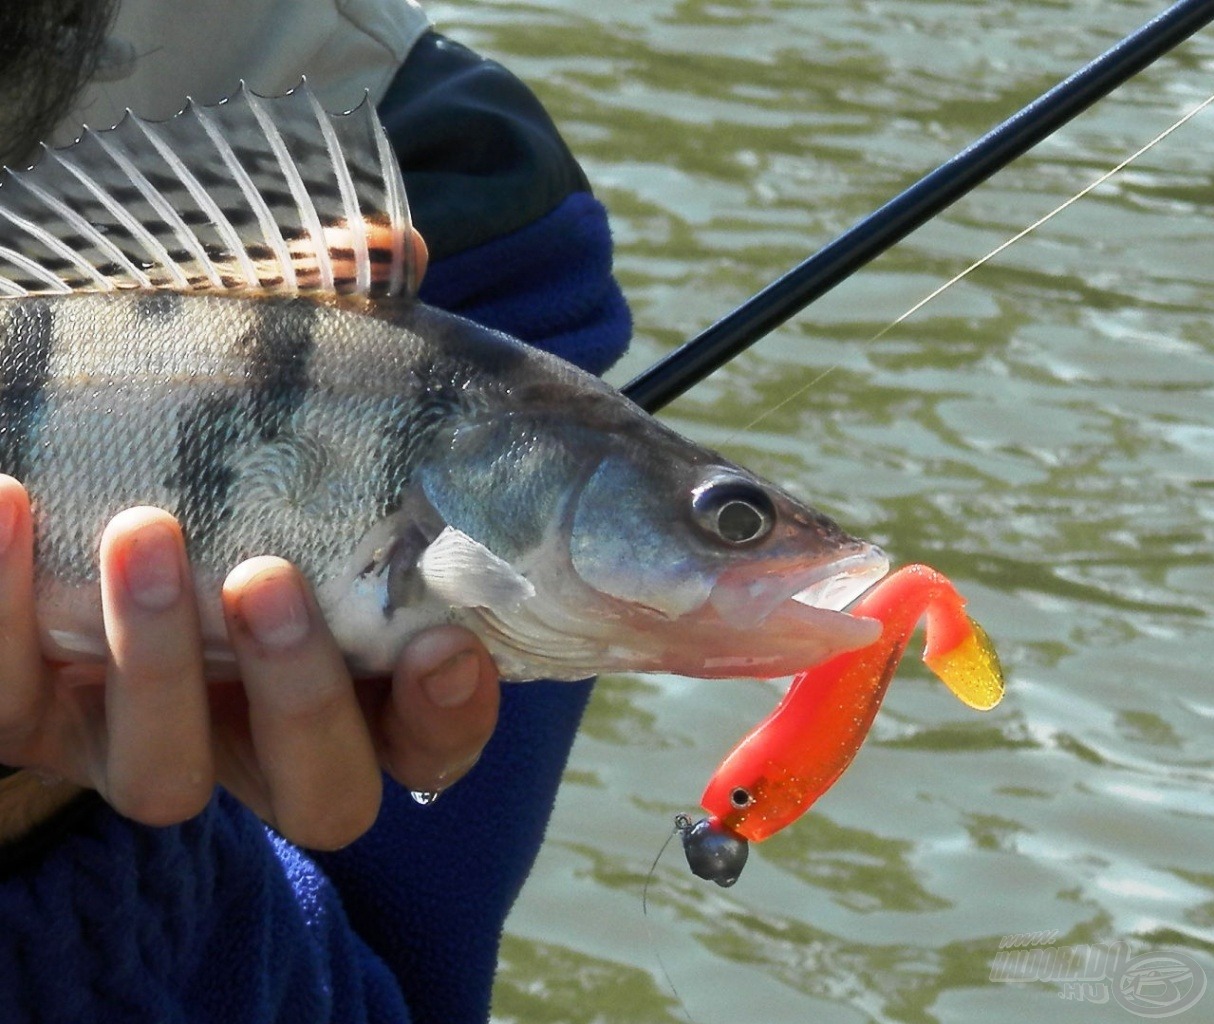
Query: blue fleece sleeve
[
  {"x": 548, "y": 283},
  {"x": 201, "y": 922},
  {"x": 428, "y": 888}
]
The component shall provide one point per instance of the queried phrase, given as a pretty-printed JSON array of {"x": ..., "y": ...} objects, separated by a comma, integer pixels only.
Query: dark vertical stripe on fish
[
  {"x": 159, "y": 306},
  {"x": 24, "y": 368},
  {"x": 410, "y": 427},
  {"x": 207, "y": 433},
  {"x": 277, "y": 352}
]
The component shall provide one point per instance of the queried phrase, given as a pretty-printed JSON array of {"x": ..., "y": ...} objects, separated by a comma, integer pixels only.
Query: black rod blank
[{"x": 757, "y": 316}]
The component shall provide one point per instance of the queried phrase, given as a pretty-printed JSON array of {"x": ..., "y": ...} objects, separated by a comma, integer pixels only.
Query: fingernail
[
  {"x": 274, "y": 609},
  {"x": 454, "y": 681},
  {"x": 456, "y": 772},
  {"x": 151, "y": 569}
]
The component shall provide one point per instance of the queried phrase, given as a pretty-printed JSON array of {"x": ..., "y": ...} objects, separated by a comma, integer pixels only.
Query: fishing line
[
  {"x": 802, "y": 389},
  {"x": 936, "y": 191},
  {"x": 681, "y": 821},
  {"x": 1049, "y": 216}
]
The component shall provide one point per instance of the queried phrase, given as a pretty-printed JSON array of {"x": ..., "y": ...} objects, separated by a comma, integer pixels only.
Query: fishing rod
[{"x": 687, "y": 365}]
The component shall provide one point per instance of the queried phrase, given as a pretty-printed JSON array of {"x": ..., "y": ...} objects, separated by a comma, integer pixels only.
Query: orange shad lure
[{"x": 799, "y": 751}]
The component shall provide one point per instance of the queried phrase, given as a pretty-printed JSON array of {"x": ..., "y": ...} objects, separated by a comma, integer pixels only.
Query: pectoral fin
[{"x": 466, "y": 574}]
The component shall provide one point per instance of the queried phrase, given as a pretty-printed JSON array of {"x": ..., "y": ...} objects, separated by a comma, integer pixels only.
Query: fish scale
[
  {"x": 191, "y": 419},
  {"x": 216, "y": 315},
  {"x": 30, "y": 344}
]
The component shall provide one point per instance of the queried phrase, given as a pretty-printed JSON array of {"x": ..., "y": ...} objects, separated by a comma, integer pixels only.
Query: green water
[{"x": 1043, "y": 433}]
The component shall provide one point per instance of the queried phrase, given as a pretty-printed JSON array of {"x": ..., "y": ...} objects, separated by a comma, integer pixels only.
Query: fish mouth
[
  {"x": 787, "y": 619},
  {"x": 837, "y": 585},
  {"x": 747, "y": 599}
]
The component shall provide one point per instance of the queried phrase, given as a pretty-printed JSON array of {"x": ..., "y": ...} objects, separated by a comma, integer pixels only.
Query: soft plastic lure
[{"x": 799, "y": 751}]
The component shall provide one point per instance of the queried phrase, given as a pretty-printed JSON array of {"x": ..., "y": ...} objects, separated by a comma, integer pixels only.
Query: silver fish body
[{"x": 418, "y": 468}]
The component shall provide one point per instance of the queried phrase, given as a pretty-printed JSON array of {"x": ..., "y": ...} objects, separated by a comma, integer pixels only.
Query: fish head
[
  {"x": 646, "y": 551},
  {"x": 729, "y": 573}
]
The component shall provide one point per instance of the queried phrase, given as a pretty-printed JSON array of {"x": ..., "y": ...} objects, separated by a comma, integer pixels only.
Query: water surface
[{"x": 1043, "y": 433}]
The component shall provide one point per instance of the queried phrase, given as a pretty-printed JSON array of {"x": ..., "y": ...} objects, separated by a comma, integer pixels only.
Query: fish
[
  {"x": 217, "y": 315},
  {"x": 799, "y": 751}
]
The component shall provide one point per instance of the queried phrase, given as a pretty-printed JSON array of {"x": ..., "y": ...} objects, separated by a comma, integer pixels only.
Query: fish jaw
[
  {"x": 541, "y": 639},
  {"x": 791, "y": 638},
  {"x": 780, "y": 620},
  {"x": 768, "y": 623}
]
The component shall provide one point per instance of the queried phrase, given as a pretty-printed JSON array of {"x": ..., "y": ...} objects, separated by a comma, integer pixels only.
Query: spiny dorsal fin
[{"x": 254, "y": 194}]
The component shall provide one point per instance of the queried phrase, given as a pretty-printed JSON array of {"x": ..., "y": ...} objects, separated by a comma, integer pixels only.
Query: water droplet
[{"x": 424, "y": 798}]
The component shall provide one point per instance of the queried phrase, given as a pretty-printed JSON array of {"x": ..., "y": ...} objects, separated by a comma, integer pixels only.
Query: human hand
[{"x": 296, "y": 740}]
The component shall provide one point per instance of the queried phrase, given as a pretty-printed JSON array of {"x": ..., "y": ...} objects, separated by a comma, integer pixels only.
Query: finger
[
  {"x": 441, "y": 711},
  {"x": 23, "y": 689},
  {"x": 158, "y": 767},
  {"x": 319, "y": 783},
  {"x": 421, "y": 255}
]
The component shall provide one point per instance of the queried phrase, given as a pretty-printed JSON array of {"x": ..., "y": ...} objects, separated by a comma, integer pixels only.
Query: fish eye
[
  {"x": 740, "y": 798},
  {"x": 735, "y": 511}
]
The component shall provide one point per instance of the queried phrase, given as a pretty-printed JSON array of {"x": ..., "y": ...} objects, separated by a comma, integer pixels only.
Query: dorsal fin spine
[
  {"x": 115, "y": 152},
  {"x": 185, "y": 237},
  {"x": 403, "y": 277},
  {"x": 303, "y": 202},
  {"x": 208, "y": 205},
  {"x": 265, "y": 218},
  {"x": 349, "y": 201},
  {"x": 71, "y": 217},
  {"x": 7, "y": 288},
  {"x": 115, "y": 210},
  {"x": 54, "y": 281},
  {"x": 55, "y": 245}
]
